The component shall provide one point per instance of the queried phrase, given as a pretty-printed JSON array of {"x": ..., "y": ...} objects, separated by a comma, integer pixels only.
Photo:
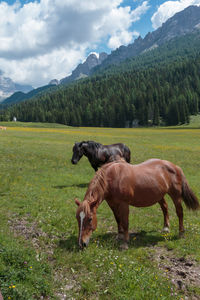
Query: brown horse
[{"x": 122, "y": 184}]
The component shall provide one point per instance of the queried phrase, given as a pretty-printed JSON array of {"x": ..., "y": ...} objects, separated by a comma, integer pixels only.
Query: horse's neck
[
  {"x": 94, "y": 199},
  {"x": 90, "y": 153}
]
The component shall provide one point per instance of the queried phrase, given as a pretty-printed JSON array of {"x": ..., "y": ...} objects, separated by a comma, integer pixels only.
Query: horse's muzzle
[
  {"x": 73, "y": 162},
  {"x": 83, "y": 244}
]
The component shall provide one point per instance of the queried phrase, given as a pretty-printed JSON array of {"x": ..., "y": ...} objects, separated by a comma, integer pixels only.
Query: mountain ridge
[
  {"x": 83, "y": 69},
  {"x": 186, "y": 21},
  {"x": 8, "y": 87}
]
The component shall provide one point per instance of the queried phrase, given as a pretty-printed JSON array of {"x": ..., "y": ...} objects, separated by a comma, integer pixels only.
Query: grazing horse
[
  {"x": 2, "y": 128},
  {"x": 122, "y": 184},
  {"x": 99, "y": 154}
]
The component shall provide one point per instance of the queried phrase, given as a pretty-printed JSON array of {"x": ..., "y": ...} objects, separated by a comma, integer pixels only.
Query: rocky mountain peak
[
  {"x": 54, "y": 82},
  {"x": 83, "y": 69},
  {"x": 8, "y": 87}
]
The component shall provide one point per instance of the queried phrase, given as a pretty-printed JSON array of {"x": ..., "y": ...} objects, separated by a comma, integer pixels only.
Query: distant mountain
[
  {"x": 184, "y": 22},
  {"x": 20, "y": 96},
  {"x": 8, "y": 87},
  {"x": 159, "y": 87},
  {"x": 54, "y": 82},
  {"x": 83, "y": 70}
]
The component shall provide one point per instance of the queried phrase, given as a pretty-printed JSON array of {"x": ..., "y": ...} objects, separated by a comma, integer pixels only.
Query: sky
[{"x": 46, "y": 39}]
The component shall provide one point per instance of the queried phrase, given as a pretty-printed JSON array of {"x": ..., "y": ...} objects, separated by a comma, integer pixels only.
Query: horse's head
[
  {"x": 78, "y": 151},
  {"x": 87, "y": 221}
]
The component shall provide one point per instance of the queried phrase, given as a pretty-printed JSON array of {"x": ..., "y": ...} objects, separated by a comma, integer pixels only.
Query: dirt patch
[
  {"x": 38, "y": 238},
  {"x": 29, "y": 230},
  {"x": 183, "y": 273}
]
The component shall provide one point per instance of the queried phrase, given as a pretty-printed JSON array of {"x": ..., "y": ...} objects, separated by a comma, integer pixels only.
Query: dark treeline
[{"x": 164, "y": 93}]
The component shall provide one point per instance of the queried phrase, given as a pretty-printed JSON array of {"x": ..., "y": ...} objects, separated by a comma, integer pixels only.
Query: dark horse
[
  {"x": 99, "y": 154},
  {"x": 122, "y": 184}
]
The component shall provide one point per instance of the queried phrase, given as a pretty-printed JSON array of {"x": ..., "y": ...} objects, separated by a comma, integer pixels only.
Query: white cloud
[
  {"x": 168, "y": 9},
  {"x": 123, "y": 17},
  {"x": 139, "y": 11},
  {"x": 47, "y": 39},
  {"x": 121, "y": 38},
  {"x": 39, "y": 70}
]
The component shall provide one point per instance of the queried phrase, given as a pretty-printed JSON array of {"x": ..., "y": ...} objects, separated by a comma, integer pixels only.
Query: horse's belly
[
  {"x": 146, "y": 197},
  {"x": 143, "y": 202}
]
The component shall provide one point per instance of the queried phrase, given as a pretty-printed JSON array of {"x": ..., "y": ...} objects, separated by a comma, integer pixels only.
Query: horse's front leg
[
  {"x": 164, "y": 207},
  {"x": 121, "y": 213},
  {"x": 124, "y": 223},
  {"x": 115, "y": 209}
]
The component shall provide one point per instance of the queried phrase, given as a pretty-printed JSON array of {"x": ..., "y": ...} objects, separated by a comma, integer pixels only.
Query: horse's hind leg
[
  {"x": 179, "y": 212},
  {"x": 164, "y": 207}
]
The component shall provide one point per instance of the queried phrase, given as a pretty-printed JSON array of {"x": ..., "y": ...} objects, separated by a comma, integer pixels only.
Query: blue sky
[{"x": 46, "y": 39}]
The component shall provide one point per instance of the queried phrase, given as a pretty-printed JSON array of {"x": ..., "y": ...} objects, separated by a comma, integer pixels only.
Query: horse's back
[
  {"x": 143, "y": 184},
  {"x": 119, "y": 150}
]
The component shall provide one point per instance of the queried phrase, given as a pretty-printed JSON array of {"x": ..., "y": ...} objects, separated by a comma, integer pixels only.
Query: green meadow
[{"x": 39, "y": 255}]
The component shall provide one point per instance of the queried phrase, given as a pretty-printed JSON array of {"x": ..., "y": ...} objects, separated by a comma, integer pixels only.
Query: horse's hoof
[
  {"x": 124, "y": 246},
  {"x": 120, "y": 237},
  {"x": 166, "y": 229}
]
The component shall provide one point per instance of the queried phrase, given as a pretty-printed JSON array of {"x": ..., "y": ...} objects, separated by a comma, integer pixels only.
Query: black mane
[{"x": 92, "y": 144}]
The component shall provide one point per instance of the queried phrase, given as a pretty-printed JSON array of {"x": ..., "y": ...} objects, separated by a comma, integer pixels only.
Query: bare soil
[{"x": 183, "y": 273}]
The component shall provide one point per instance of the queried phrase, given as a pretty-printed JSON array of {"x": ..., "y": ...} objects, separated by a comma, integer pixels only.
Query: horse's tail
[{"x": 188, "y": 195}]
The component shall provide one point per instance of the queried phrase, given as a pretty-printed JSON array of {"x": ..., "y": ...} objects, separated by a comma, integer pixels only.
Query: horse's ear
[
  {"x": 93, "y": 204},
  {"x": 77, "y": 201}
]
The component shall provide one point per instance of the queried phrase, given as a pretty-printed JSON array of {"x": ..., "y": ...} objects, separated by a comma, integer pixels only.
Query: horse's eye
[{"x": 90, "y": 220}]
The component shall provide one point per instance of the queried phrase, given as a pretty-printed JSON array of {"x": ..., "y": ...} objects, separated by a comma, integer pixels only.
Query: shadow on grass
[
  {"x": 108, "y": 240},
  {"x": 146, "y": 239},
  {"x": 79, "y": 185},
  {"x": 70, "y": 244},
  {"x": 137, "y": 239}
]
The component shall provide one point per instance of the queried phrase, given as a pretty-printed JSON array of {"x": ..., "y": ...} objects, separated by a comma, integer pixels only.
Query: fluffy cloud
[
  {"x": 121, "y": 35},
  {"x": 47, "y": 39},
  {"x": 170, "y": 8}
]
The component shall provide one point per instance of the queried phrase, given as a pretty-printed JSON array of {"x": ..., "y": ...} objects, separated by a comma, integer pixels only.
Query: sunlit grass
[{"x": 38, "y": 185}]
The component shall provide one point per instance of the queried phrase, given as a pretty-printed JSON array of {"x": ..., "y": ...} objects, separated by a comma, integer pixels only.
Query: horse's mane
[
  {"x": 92, "y": 144},
  {"x": 97, "y": 187}
]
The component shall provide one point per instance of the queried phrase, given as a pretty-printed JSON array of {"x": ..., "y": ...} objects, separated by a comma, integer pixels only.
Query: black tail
[{"x": 189, "y": 197}]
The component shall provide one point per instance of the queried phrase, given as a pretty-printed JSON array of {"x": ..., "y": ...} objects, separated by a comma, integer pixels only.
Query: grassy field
[{"x": 39, "y": 256}]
